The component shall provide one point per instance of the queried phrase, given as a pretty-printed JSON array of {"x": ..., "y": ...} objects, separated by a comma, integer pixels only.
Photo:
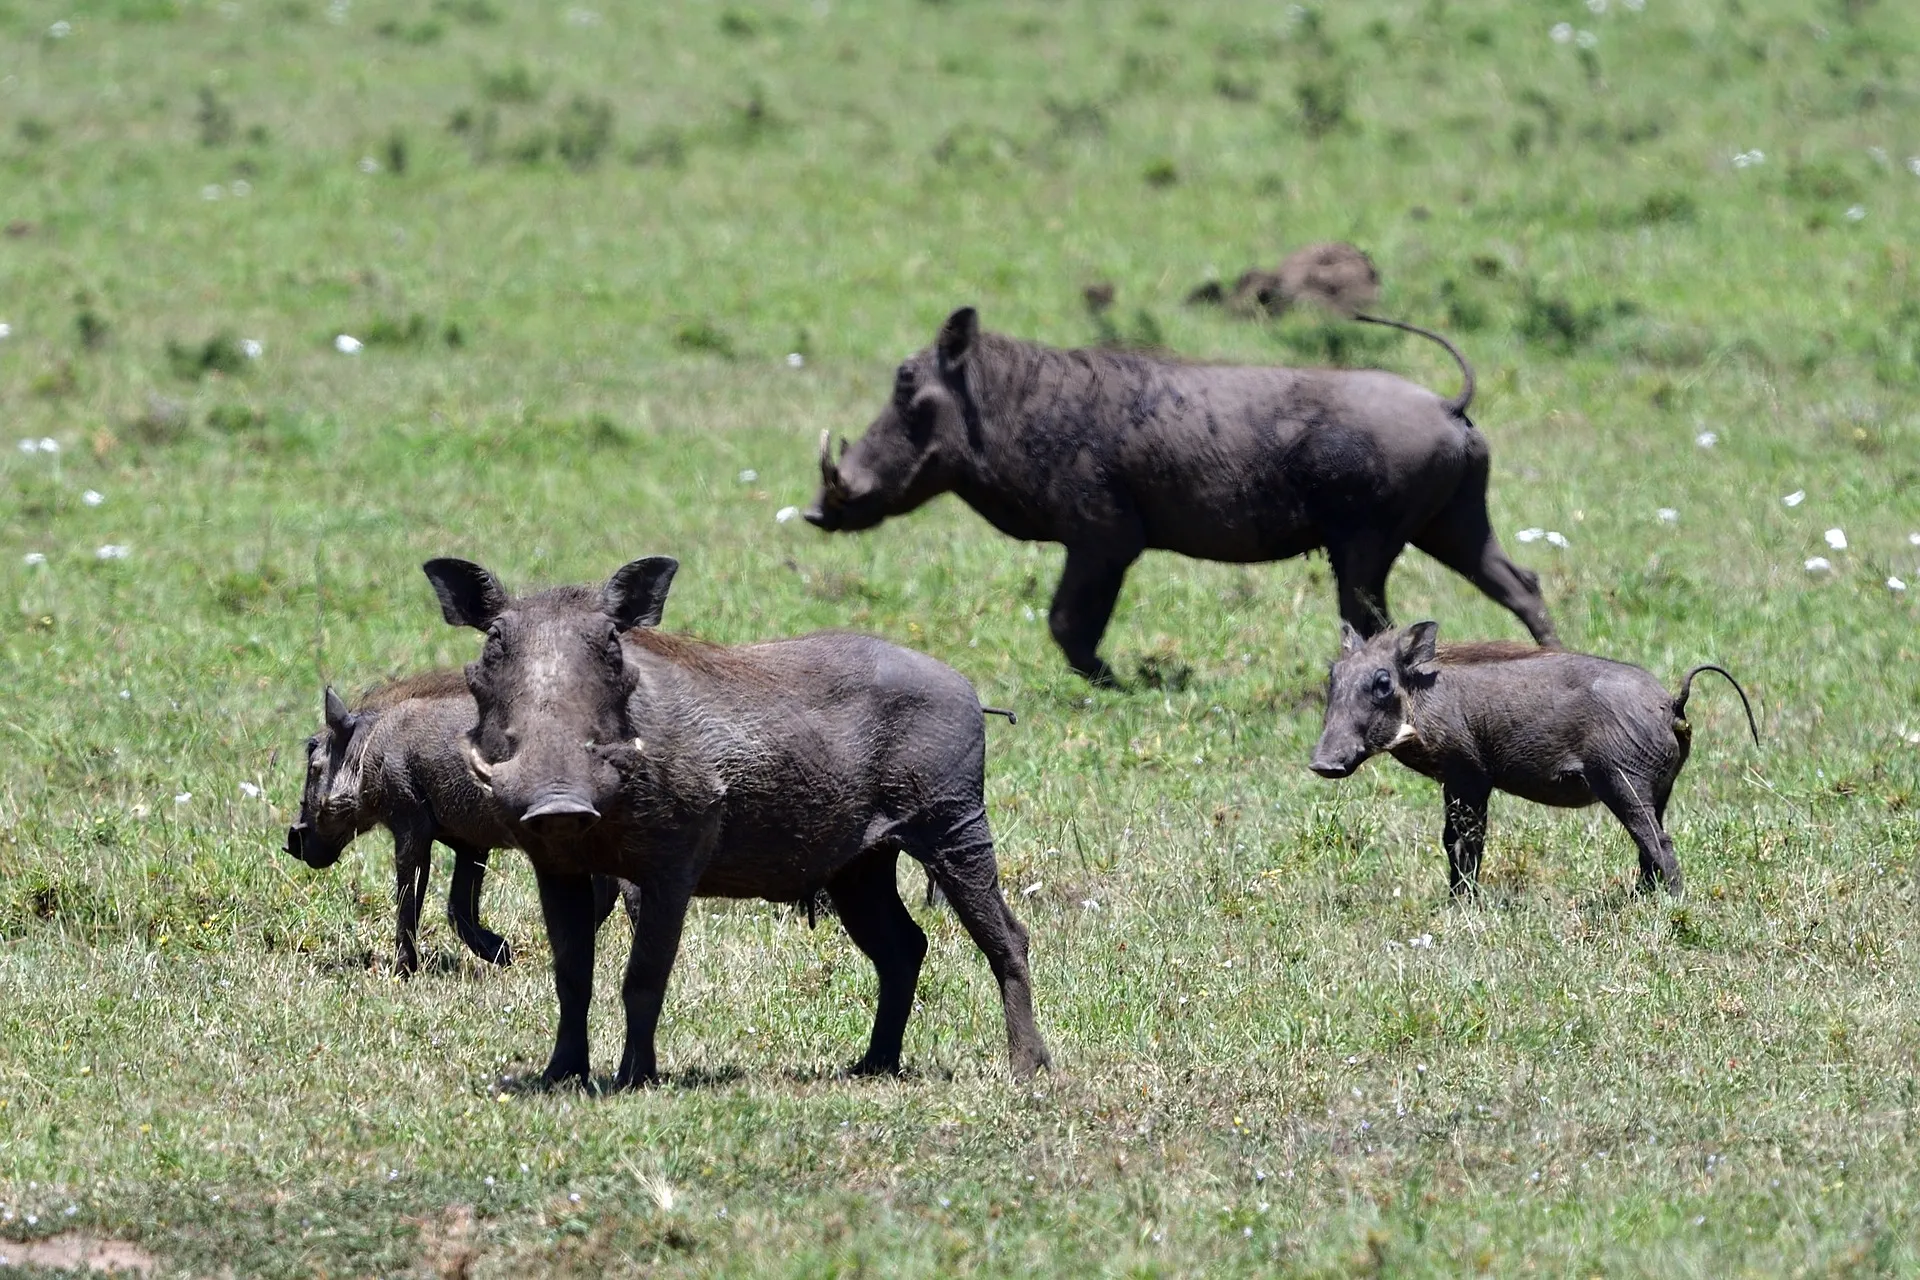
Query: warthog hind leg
[
  {"x": 463, "y": 905},
  {"x": 867, "y": 897}
]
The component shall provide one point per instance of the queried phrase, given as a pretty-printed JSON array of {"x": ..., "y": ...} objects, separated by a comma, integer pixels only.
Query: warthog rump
[
  {"x": 768, "y": 770},
  {"x": 1113, "y": 453},
  {"x": 1557, "y": 728}
]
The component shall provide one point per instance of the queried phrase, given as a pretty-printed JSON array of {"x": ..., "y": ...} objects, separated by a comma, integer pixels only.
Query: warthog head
[
  {"x": 908, "y": 454},
  {"x": 552, "y": 685},
  {"x": 1367, "y": 710},
  {"x": 330, "y": 797}
]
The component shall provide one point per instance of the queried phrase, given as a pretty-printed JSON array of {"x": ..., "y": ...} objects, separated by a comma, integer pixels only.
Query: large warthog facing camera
[
  {"x": 1113, "y": 453},
  {"x": 768, "y": 770}
]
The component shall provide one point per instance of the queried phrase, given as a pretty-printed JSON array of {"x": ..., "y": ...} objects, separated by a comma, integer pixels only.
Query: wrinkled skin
[
  {"x": 1112, "y": 454},
  {"x": 769, "y": 770},
  {"x": 1557, "y": 728},
  {"x": 398, "y": 761}
]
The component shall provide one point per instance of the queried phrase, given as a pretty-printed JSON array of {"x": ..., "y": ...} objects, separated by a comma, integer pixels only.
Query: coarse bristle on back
[
  {"x": 692, "y": 652},
  {"x": 427, "y": 684},
  {"x": 1473, "y": 652}
]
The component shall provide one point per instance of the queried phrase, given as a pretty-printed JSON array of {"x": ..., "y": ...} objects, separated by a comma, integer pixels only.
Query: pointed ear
[
  {"x": 469, "y": 595},
  {"x": 956, "y": 338},
  {"x": 636, "y": 595},
  {"x": 1417, "y": 649},
  {"x": 339, "y": 719},
  {"x": 1351, "y": 641}
]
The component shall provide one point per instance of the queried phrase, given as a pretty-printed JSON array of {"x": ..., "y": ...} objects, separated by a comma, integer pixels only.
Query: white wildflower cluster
[
  {"x": 45, "y": 444},
  {"x": 1748, "y": 159},
  {"x": 1553, "y": 537}
]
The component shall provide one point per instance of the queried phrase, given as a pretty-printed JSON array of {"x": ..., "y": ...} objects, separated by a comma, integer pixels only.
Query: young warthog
[
  {"x": 398, "y": 760},
  {"x": 768, "y": 770},
  {"x": 1113, "y": 453},
  {"x": 1556, "y": 728}
]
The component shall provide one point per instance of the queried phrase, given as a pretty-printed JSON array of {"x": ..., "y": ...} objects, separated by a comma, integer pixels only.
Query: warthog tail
[
  {"x": 1458, "y": 405},
  {"x": 1686, "y": 687},
  {"x": 1000, "y": 711}
]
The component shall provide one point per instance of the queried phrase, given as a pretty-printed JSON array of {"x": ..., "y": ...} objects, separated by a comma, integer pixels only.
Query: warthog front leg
[
  {"x": 661, "y": 915},
  {"x": 867, "y": 896},
  {"x": 1465, "y": 834},
  {"x": 463, "y": 905},
  {"x": 1083, "y": 604},
  {"x": 566, "y": 904},
  {"x": 412, "y": 864},
  {"x": 961, "y": 861},
  {"x": 1361, "y": 562}
]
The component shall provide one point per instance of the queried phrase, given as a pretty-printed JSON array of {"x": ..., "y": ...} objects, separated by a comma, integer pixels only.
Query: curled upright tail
[
  {"x": 1458, "y": 405},
  {"x": 1686, "y": 687}
]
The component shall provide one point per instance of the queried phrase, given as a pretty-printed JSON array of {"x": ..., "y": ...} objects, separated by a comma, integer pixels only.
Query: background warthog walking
[
  {"x": 1113, "y": 454},
  {"x": 769, "y": 770},
  {"x": 398, "y": 760},
  {"x": 1557, "y": 728}
]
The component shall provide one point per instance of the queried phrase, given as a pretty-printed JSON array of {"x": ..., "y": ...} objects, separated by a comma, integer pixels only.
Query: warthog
[
  {"x": 768, "y": 770},
  {"x": 1557, "y": 728},
  {"x": 1114, "y": 453},
  {"x": 398, "y": 760}
]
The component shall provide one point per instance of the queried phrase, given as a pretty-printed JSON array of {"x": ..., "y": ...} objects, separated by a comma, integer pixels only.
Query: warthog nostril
[
  {"x": 1331, "y": 768},
  {"x": 560, "y": 816}
]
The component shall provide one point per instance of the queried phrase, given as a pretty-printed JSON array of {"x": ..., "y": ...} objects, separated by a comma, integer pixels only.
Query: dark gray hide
[
  {"x": 1557, "y": 728},
  {"x": 398, "y": 760},
  {"x": 769, "y": 770},
  {"x": 1112, "y": 454}
]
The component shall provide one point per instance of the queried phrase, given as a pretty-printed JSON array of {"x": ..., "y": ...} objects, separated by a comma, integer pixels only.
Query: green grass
[{"x": 578, "y": 256}]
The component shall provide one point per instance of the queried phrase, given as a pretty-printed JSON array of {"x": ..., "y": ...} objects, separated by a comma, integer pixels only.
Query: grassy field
[{"x": 578, "y": 248}]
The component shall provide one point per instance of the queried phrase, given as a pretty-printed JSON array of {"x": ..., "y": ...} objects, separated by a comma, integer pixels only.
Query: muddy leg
[
  {"x": 1361, "y": 562},
  {"x": 412, "y": 861},
  {"x": 656, "y": 941},
  {"x": 463, "y": 905},
  {"x": 1462, "y": 538},
  {"x": 1466, "y": 832},
  {"x": 1638, "y": 806},
  {"x": 1083, "y": 604},
  {"x": 962, "y": 862},
  {"x": 868, "y": 900},
  {"x": 566, "y": 904}
]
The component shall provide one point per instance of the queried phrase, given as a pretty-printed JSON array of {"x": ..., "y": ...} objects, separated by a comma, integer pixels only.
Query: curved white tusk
[
  {"x": 639, "y": 744},
  {"x": 482, "y": 771}
]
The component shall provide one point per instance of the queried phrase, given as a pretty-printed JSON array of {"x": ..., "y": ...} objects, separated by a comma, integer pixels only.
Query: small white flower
[
  {"x": 488, "y": 1180},
  {"x": 212, "y": 191},
  {"x": 1856, "y": 212},
  {"x": 60, "y": 30},
  {"x": 6, "y": 331},
  {"x": 368, "y": 165},
  {"x": 1596, "y": 7},
  {"x": 1747, "y": 159},
  {"x": 574, "y": 1198},
  {"x": 250, "y": 791},
  {"x": 749, "y": 476},
  {"x": 785, "y": 514},
  {"x": 126, "y": 695},
  {"x": 1032, "y": 889},
  {"x": 1795, "y": 498},
  {"x": 1668, "y": 515},
  {"x": 1531, "y": 535},
  {"x": 346, "y": 344},
  {"x": 1422, "y": 943},
  {"x": 1557, "y": 539},
  {"x": 241, "y": 189},
  {"x": 1029, "y": 612},
  {"x": 1818, "y": 564},
  {"x": 183, "y": 797},
  {"x": 49, "y": 445},
  {"x": 1837, "y": 539},
  {"x": 252, "y": 348},
  {"x": 112, "y": 551},
  {"x": 1913, "y": 539},
  {"x": 1878, "y": 153},
  {"x": 1562, "y": 32},
  {"x": 1895, "y": 584},
  {"x": 1586, "y": 39},
  {"x": 795, "y": 360},
  {"x": 1090, "y": 904},
  {"x": 93, "y": 497},
  {"x": 35, "y": 557},
  {"x": 1707, "y": 439}
]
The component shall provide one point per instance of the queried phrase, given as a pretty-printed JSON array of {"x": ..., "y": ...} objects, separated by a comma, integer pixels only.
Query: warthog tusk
[
  {"x": 1405, "y": 734},
  {"x": 482, "y": 771},
  {"x": 829, "y": 473},
  {"x": 639, "y": 744}
]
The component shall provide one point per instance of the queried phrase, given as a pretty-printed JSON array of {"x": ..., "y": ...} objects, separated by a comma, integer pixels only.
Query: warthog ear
[
  {"x": 339, "y": 719},
  {"x": 956, "y": 338},
  {"x": 1351, "y": 641},
  {"x": 636, "y": 595},
  {"x": 1417, "y": 649},
  {"x": 469, "y": 595}
]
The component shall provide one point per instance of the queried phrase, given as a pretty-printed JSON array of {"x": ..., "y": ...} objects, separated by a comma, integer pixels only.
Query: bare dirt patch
[{"x": 78, "y": 1251}]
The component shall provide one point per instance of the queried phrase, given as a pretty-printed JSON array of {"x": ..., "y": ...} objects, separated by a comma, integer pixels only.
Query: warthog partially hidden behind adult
[
  {"x": 1113, "y": 453},
  {"x": 768, "y": 770},
  {"x": 1557, "y": 728},
  {"x": 398, "y": 760}
]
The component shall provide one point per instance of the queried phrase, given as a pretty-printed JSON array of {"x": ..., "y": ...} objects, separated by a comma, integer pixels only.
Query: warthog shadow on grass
[
  {"x": 1114, "y": 453},
  {"x": 768, "y": 770},
  {"x": 1557, "y": 728}
]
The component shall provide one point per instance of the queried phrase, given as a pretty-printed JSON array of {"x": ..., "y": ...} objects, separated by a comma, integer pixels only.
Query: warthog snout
[
  {"x": 560, "y": 817},
  {"x": 1328, "y": 766}
]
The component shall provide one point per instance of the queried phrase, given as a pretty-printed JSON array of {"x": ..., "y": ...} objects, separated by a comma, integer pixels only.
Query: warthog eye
[
  {"x": 1382, "y": 685},
  {"x": 904, "y": 384}
]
